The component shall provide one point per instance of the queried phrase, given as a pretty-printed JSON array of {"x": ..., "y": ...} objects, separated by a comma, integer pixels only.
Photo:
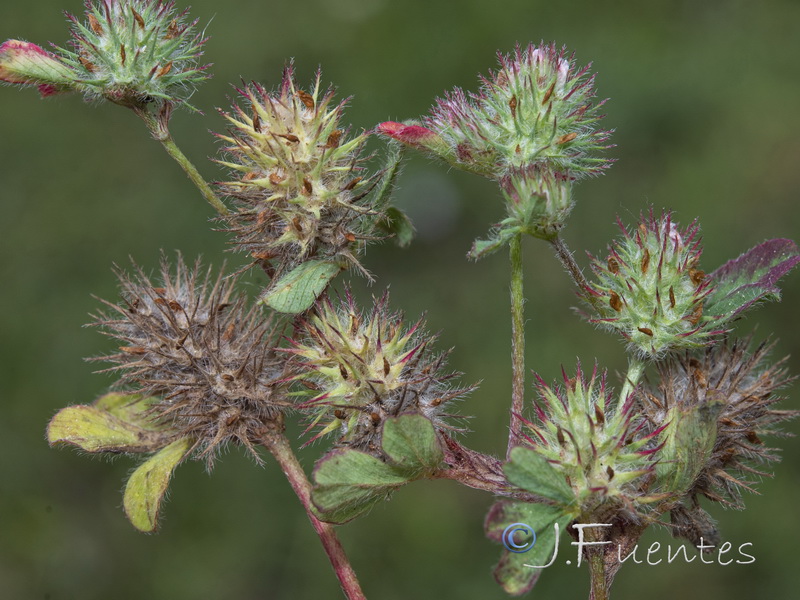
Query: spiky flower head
[
  {"x": 733, "y": 393},
  {"x": 301, "y": 190},
  {"x": 189, "y": 341},
  {"x": 363, "y": 368},
  {"x": 131, "y": 52},
  {"x": 651, "y": 289},
  {"x": 536, "y": 109},
  {"x": 604, "y": 452}
]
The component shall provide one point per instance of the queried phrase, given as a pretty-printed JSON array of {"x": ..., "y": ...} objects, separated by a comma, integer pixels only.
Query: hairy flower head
[
  {"x": 651, "y": 288},
  {"x": 363, "y": 368},
  {"x": 300, "y": 190},
  {"x": 733, "y": 391},
  {"x": 190, "y": 342},
  {"x": 606, "y": 454},
  {"x": 130, "y": 52},
  {"x": 133, "y": 52},
  {"x": 536, "y": 109}
]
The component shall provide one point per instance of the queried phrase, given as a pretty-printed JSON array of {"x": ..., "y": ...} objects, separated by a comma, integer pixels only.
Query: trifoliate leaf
[
  {"x": 348, "y": 483},
  {"x": 296, "y": 291},
  {"x": 146, "y": 487},
  {"x": 530, "y": 471}
]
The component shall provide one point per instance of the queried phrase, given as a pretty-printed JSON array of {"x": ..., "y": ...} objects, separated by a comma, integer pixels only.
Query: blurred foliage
[{"x": 703, "y": 100}]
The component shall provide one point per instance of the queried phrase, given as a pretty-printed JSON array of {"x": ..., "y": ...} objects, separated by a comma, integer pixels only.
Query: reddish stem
[{"x": 279, "y": 447}]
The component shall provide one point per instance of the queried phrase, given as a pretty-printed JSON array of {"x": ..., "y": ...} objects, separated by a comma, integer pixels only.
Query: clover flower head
[
  {"x": 301, "y": 191},
  {"x": 535, "y": 109},
  {"x": 361, "y": 369},
  {"x": 651, "y": 289},
  {"x": 190, "y": 342},
  {"x": 606, "y": 455}
]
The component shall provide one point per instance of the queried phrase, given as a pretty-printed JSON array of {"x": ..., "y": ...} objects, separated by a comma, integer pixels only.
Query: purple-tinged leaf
[
  {"x": 740, "y": 283},
  {"x": 517, "y": 571}
]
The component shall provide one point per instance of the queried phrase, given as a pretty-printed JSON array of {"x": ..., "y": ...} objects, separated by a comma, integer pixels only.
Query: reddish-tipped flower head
[
  {"x": 603, "y": 452},
  {"x": 651, "y": 288},
  {"x": 360, "y": 369},
  {"x": 535, "y": 110},
  {"x": 133, "y": 52}
]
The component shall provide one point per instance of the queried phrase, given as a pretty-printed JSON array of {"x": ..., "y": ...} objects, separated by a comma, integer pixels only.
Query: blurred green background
[{"x": 704, "y": 100}]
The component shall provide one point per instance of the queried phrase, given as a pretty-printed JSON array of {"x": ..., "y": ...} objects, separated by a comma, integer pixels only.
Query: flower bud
[{"x": 28, "y": 64}]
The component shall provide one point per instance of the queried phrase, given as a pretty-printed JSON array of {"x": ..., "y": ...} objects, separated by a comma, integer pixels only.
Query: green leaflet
[
  {"x": 412, "y": 444},
  {"x": 146, "y": 487},
  {"x": 114, "y": 423},
  {"x": 753, "y": 276},
  {"x": 532, "y": 472},
  {"x": 348, "y": 483},
  {"x": 296, "y": 291}
]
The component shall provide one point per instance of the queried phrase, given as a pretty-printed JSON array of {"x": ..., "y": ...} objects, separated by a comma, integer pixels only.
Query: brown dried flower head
[
  {"x": 192, "y": 342},
  {"x": 723, "y": 401}
]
